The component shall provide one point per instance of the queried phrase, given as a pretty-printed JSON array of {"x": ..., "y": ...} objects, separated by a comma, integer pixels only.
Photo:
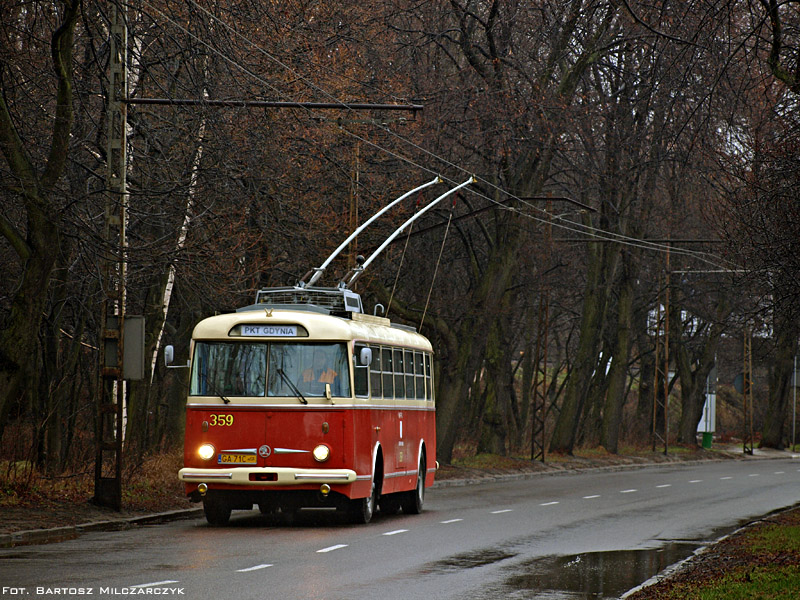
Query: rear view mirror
[
  {"x": 365, "y": 357},
  {"x": 169, "y": 355}
]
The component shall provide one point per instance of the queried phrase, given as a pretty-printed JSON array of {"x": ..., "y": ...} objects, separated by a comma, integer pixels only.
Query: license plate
[{"x": 237, "y": 459}]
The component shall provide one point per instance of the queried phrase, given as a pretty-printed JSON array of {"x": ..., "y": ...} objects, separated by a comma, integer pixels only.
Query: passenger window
[
  {"x": 388, "y": 385},
  {"x": 408, "y": 357},
  {"x": 419, "y": 371},
  {"x": 399, "y": 384},
  {"x": 375, "y": 373},
  {"x": 428, "y": 377}
]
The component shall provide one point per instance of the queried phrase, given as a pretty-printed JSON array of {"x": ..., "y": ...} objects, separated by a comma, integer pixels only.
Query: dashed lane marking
[
  {"x": 592, "y": 496},
  {"x": 505, "y": 510},
  {"x": 255, "y": 568},
  {"x": 395, "y": 532},
  {"x": 155, "y": 583},
  {"x": 332, "y": 548},
  {"x": 450, "y": 521},
  {"x": 548, "y": 503}
]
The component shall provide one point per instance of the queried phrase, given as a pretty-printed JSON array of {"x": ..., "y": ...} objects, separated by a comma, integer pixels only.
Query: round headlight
[
  {"x": 321, "y": 453},
  {"x": 206, "y": 451}
]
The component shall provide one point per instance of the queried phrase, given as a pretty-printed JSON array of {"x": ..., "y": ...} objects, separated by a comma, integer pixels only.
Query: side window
[
  {"x": 419, "y": 372},
  {"x": 386, "y": 365},
  {"x": 399, "y": 383},
  {"x": 428, "y": 377},
  {"x": 360, "y": 373},
  {"x": 408, "y": 363},
  {"x": 375, "y": 372}
]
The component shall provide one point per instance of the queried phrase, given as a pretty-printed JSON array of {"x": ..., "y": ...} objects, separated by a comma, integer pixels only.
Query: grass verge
[{"x": 760, "y": 562}]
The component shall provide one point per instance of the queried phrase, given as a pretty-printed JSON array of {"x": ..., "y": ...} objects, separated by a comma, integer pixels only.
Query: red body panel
[{"x": 284, "y": 437}]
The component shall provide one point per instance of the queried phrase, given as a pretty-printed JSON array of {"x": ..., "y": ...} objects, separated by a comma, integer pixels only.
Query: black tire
[
  {"x": 362, "y": 509},
  {"x": 218, "y": 512},
  {"x": 390, "y": 504},
  {"x": 413, "y": 500}
]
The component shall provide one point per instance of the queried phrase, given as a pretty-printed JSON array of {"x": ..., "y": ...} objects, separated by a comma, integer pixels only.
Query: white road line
[
  {"x": 450, "y": 521},
  {"x": 627, "y": 491},
  {"x": 256, "y": 568},
  {"x": 592, "y": 496},
  {"x": 696, "y": 481},
  {"x": 395, "y": 532},
  {"x": 155, "y": 583},
  {"x": 332, "y": 548},
  {"x": 753, "y": 475},
  {"x": 664, "y": 485},
  {"x": 726, "y": 477},
  {"x": 778, "y": 472},
  {"x": 505, "y": 510},
  {"x": 548, "y": 503}
]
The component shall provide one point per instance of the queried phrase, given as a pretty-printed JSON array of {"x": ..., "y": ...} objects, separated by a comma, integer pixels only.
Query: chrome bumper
[{"x": 283, "y": 476}]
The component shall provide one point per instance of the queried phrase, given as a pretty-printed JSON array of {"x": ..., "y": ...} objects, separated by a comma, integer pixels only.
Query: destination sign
[{"x": 269, "y": 330}]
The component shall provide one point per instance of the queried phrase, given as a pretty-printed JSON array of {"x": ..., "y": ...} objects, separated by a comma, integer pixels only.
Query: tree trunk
[
  {"x": 566, "y": 428},
  {"x": 773, "y": 435},
  {"x": 38, "y": 249},
  {"x": 618, "y": 375}
]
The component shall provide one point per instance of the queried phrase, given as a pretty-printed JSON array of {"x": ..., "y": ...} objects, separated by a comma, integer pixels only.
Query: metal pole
[
  {"x": 794, "y": 401},
  {"x": 666, "y": 357},
  {"x": 272, "y": 104}
]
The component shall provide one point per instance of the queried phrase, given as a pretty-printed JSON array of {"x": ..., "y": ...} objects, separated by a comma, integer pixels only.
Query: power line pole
[
  {"x": 662, "y": 347},
  {"x": 111, "y": 386},
  {"x": 747, "y": 393}
]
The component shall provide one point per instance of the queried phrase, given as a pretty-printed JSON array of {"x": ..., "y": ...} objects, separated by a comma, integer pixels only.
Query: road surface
[{"x": 501, "y": 539}]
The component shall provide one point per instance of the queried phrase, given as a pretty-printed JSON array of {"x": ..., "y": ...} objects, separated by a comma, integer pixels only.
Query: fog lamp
[
  {"x": 206, "y": 451},
  {"x": 321, "y": 453}
]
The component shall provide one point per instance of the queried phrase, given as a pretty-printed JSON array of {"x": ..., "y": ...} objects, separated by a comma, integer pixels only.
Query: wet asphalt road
[{"x": 493, "y": 540}]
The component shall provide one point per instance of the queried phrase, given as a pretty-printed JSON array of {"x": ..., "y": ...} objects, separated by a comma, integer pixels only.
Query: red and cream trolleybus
[{"x": 302, "y": 400}]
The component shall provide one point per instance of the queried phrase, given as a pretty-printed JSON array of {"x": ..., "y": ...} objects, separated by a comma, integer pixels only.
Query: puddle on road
[
  {"x": 595, "y": 575},
  {"x": 468, "y": 560}
]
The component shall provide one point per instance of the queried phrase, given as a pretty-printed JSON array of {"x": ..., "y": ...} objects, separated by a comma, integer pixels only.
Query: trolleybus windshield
[{"x": 240, "y": 369}]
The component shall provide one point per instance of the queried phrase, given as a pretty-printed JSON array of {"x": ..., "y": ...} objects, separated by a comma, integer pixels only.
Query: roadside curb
[{"x": 70, "y": 532}]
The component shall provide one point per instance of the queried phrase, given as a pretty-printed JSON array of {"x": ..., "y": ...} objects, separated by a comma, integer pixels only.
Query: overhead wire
[{"x": 540, "y": 215}]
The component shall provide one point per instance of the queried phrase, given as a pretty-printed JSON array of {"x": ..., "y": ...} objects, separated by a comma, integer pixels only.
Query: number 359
[{"x": 220, "y": 420}]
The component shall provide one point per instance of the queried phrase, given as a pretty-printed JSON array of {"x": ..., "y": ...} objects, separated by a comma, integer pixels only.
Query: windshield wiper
[
  {"x": 216, "y": 391},
  {"x": 292, "y": 386}
]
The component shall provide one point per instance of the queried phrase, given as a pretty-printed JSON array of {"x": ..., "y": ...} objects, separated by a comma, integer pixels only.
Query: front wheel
[
  {"x": 217, "y": 510},
  {"x": 362, "y": 509},
  {"x": 413, "y": 500}
]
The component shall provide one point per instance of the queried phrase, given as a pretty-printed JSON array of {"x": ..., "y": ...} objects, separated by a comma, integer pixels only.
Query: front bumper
[{"x": 265, "y": 476}]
